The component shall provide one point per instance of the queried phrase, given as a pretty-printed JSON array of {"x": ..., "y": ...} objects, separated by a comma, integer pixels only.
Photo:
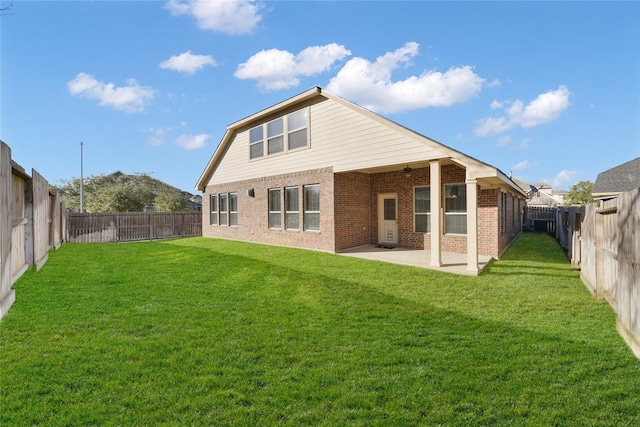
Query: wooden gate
[{"x": 540, "y": 218}]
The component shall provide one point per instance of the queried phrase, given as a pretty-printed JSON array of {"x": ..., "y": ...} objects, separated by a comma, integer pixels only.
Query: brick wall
[
  {"x": 510, "y": 221},
  {"x": 349, "y": 211},
  {"x": 253, "y": 211},
  {"x": 396, "y": 182},
  {"x": 353, "y": 218},
  {"x": 488, "y": 222}
]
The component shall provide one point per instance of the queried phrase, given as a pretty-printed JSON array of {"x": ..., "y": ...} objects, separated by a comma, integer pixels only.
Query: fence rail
[
  {"x": 540, "y": 218},
  {"x": 30, "y": 223},
  {"x": 131, "y": 226},
  {"x": 603, "y": 241}
]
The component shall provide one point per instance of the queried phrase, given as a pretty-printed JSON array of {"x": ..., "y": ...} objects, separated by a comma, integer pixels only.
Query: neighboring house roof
[
  {"x": 541, "y": 198},
  {"x": 541, "y": 194},
  {"x": 618, "y": 179},
  {"x": 475, "y": 168}
]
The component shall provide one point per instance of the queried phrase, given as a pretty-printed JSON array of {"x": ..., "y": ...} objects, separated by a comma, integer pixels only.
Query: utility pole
[{"x": 81, "y": 182}]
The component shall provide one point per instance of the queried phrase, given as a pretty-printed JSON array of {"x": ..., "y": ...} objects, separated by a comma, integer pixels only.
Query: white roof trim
[{"x": 475, "y": 168}]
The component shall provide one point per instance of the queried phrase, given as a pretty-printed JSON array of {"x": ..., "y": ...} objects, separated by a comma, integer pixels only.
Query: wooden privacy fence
[
  {"x": 131, "y": 226},
  {"x": 31, "y": 223},
  {"x": 604, "y": 243},
  {"x": 540, "y": 218}
]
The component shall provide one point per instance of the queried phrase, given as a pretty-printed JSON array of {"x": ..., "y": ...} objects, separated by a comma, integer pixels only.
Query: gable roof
[
  {"x": 475, "y": 167},
  {"x": 619, "y": 179}
]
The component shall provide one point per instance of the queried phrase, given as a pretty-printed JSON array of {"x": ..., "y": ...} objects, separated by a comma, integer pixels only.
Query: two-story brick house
[{"x": 316, "y": 171}]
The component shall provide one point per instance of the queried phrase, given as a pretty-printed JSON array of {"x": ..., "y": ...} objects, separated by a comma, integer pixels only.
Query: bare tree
[{"x": 4, "y": 11}]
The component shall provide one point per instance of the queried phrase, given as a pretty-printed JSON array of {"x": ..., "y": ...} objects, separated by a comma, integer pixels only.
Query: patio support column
[
  {"x": 472, "y": 225},
  {"x": 436, "y": 206}
]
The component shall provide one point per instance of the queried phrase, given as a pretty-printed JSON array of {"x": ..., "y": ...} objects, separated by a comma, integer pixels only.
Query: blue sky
[{"x": 547, "y": 91}]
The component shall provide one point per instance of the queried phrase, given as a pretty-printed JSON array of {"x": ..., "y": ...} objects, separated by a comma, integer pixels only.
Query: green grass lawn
[{"x": 211, "y": 332}]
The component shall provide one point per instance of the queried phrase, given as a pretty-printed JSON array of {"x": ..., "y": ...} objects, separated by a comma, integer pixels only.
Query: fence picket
[{"x": 132, "y": 226}]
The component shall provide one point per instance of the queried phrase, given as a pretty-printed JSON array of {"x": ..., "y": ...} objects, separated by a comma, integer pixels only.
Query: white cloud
[
  {"x": 563, "y": 178},
  {"x": 192, "y": 142},
  {"x": 370, "y": 84},
  {"x": 524, "y": 144},
  {"x": 525, "y": 164},
  {"x": 157, "y": 139},
  {"x": 275, "y": 69},
  {"x": 131, "y": 98},
  {"x": 504, "y": 140},
  {"x": 544, "y": 109},
  {"x": 493, "y": 125},
  {"x": 187, "y": 62},
  {"x": 229, "y": 16}
]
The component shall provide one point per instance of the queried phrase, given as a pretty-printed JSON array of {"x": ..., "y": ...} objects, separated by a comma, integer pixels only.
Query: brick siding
[
  {"x": 353, "y": 218},
  {"x": 253, "y": 212},
  {"x": 349, "y": 211}
]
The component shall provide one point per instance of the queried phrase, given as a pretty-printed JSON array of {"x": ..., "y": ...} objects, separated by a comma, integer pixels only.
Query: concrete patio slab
[{"x": 451, "y": 263}]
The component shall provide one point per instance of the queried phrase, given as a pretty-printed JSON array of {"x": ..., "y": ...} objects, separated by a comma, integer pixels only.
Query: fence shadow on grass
[{"x": 283, "y": 335}]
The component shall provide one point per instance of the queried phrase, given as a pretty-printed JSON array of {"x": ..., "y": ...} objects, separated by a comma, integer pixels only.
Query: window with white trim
[
  {"x": 297, "y": 129},
  {"x": 256, "y": 142},
  {"x": 286, "y": 133},
  {"x": 275, "y": 136},
  {"x": 455, "y": 208},
  {"x": 213, "y": 207},
  {"x": 223, "y": 212},
  {"x": 311, "y": 219},
  {"x": 422, "y": 209},
  {"x": 233, "y": 208},
  {"x": 291, "y": 209},
  {"x": 275, "y": 217}
]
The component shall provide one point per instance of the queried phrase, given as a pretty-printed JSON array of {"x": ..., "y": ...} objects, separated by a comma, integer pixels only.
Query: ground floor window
[
  {"x": 422, "y": 209},
  {"x": 213, "y": 204},
  {"x": 275, "y": 220},
  {"x": 233, "y": 208},
  {"x": 224, "y": 206},
  {"x": 311, "y": 207},
  {"x": 455, "y": 208},
  {"x": 291, "y": 209}
]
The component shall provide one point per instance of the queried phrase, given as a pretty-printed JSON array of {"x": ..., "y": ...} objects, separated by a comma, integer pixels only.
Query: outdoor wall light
[
  {"x": 407, "y": 171},
  {"x": 251, "y": 192}
]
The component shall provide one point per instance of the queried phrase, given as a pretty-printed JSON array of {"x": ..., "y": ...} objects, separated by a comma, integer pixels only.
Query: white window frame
[
  {"x": 256, "y": 142},
  {"x": 223, "y": 209},
  {"x": 291, "y": 130},
  {"x": 275, "y": 213},
  {"x": 233, "y": 214},
  {"x": 292, "y": 213},
  {"x": 462, "y": 188},
  {"x": 265, "y": 152},
  {"x": 416, "y": 213},
  {"x": 213, "y": 209},
  {"x": 307, "y": 211},
  {"x": 272, "y": 137}
]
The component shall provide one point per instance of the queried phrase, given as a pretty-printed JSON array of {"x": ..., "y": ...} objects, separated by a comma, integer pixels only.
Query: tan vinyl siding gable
[
  {"x": 355, "y": 141},
  {"x": 340, "y": 137}
]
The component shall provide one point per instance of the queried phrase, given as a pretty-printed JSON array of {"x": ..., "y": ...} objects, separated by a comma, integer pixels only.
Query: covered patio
[{"x": 451, "y": 262}]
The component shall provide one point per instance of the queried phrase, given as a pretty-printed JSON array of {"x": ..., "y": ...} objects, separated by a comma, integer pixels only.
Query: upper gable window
[
  {"x": 283, "y": 134},
  {"x": 256, "y": 142},
  {"x": 297, "y": 127},
  {"x": 275, "y": 136}
]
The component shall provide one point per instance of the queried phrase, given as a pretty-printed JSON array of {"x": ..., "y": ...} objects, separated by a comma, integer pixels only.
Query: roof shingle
[{"x": 619, "y": 179}]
